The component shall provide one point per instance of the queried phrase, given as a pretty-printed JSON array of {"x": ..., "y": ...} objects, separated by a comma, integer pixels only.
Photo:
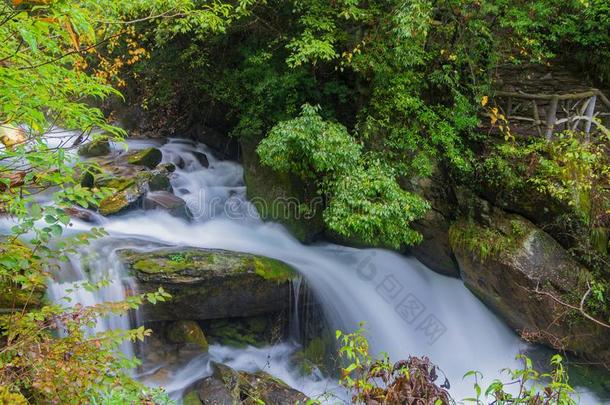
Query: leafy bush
[
  {"x": 527, "y": 386},
  {"x": 368, "y": 204},
  {"x": 365, "y": 201},
  {"x": 309, "y": 146},
  {"x": 376, "y": 380}
]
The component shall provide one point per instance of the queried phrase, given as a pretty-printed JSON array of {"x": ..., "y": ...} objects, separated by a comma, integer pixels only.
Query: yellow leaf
[
  {"x": 484, "y": 101},
  {"x": 73, "y": 35}
]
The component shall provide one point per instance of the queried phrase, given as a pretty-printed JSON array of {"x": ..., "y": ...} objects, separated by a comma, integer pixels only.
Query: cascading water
[
  {"x": 96, "y": 265},
  {"x": 408, "y": 309}
]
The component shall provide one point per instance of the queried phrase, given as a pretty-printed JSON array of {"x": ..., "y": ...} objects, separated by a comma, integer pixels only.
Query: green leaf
[{"x": 30, "y": 38}]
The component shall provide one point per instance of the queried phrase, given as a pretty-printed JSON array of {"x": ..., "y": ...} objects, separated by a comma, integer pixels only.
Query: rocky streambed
[{"x": 220, "y": 298}]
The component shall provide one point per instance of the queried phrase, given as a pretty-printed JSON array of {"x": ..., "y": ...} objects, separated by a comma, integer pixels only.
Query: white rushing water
[{"x": 408, "y": 309}]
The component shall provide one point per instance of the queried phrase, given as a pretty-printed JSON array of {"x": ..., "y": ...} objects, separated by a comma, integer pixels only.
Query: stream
[{"x": 408, "y": 309}]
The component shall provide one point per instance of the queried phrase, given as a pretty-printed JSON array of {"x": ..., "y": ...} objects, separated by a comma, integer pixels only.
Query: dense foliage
[
  {"x": 402, "y": 81},
  {"x": 52, "y": 71},
  {"x": 364, "y": 198}
]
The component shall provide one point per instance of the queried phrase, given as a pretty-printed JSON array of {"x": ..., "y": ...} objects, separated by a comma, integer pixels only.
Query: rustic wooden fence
[{"x": 550, "y": 113}]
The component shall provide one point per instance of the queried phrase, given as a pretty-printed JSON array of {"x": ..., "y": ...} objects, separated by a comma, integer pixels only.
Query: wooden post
[
  {"x": 580, "y": 113},
  {"x": 536, "y": 117},
  {"x": 590, "y": 111},
  {"x": 551, "y": 118}
]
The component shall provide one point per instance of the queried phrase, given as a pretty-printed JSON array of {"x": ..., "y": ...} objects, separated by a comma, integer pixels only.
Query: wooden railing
[{"x": 549, "y": 113}]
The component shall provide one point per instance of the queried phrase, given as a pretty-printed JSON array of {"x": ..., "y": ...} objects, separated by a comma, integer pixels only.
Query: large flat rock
[{"x": 210, "y": 284}]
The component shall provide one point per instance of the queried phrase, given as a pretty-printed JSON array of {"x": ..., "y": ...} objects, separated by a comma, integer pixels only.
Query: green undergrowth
[{"x": 485, "y": 242}]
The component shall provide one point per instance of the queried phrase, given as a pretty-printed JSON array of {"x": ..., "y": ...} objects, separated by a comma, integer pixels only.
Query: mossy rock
[
  {"x": 114, "y": 204},
  {"x": 228, "y": 386},
  {"x": 281, "y": 197},
  {"x": 95, "y": 148},
  {"x": 506, "y": 259},
  {"x": 207, "y": 263},
  {"x": 192, "y": 398},
  {"x": 210, "y": 284},
  {"x": 149, "y": 157},
  {"x": 159, "y": 181},
  {"x": 121, "y": 201},
  {"x": 130, "y": 185},
  {"x": 117, "y": 183},
  {"x": 182, "y": 332},
  {"x": 230, "y": 334},
  {"x": 241, "y": 332},
  {"x": 317, "y": 353}
]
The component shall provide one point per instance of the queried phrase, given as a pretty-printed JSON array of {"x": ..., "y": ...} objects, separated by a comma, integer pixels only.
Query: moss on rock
[
  {"x": 228, "y": 386},
  {"x": 515, "y": 268},
  {"x": 121, "y": 201},
  {"x": 130, "y": 184},
  {"x": 115, "y": 182},
  {"x": 233, "y": 333},
  {"x": 210, "y": 284},
  {"x": 489, "y": 241},
  {"x": 187, "y": 332},
  {"x": 192, "y": 398},
  {"x": 271, "y": 269},
  {"x": 149, "y": 157},
  {"x": 97, "y": 147},
  {"x": 192, "y": 261},
  {"x": 281, "y": 197}
]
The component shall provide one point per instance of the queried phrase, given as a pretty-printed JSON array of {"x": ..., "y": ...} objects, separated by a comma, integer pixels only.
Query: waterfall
[
  {"x": 98, "y": 266},
  {"x": 408, "y": 309},
  {"x": 295, "y": 326}
]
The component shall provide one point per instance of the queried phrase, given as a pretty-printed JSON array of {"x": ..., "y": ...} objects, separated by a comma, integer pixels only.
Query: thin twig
[{"x": 580, "y": 308}]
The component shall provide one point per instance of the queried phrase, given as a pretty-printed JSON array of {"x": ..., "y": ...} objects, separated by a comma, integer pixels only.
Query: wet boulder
[
  {"x": 280, "y": 197},
  {"x": 187, "y": 332},
  {"x": 227, "y": 387},
  {"x": 149, "y": 157},
  {"x": 210, "y": 284},
  {"x": 122, "y": 200},
  {"x": 130, "y": 176},
  {"x": 202, "y": 159},
  {"x": 130, "y": 184},
  {"x": 524, "y": 275},
  {"x": 95, "y": 148},
  {"x": 82, "y": 214},
  {"x": 434, "y": 250},
  {"x": 166, "y": 201},
  {"x": 158, "y": 179}
]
